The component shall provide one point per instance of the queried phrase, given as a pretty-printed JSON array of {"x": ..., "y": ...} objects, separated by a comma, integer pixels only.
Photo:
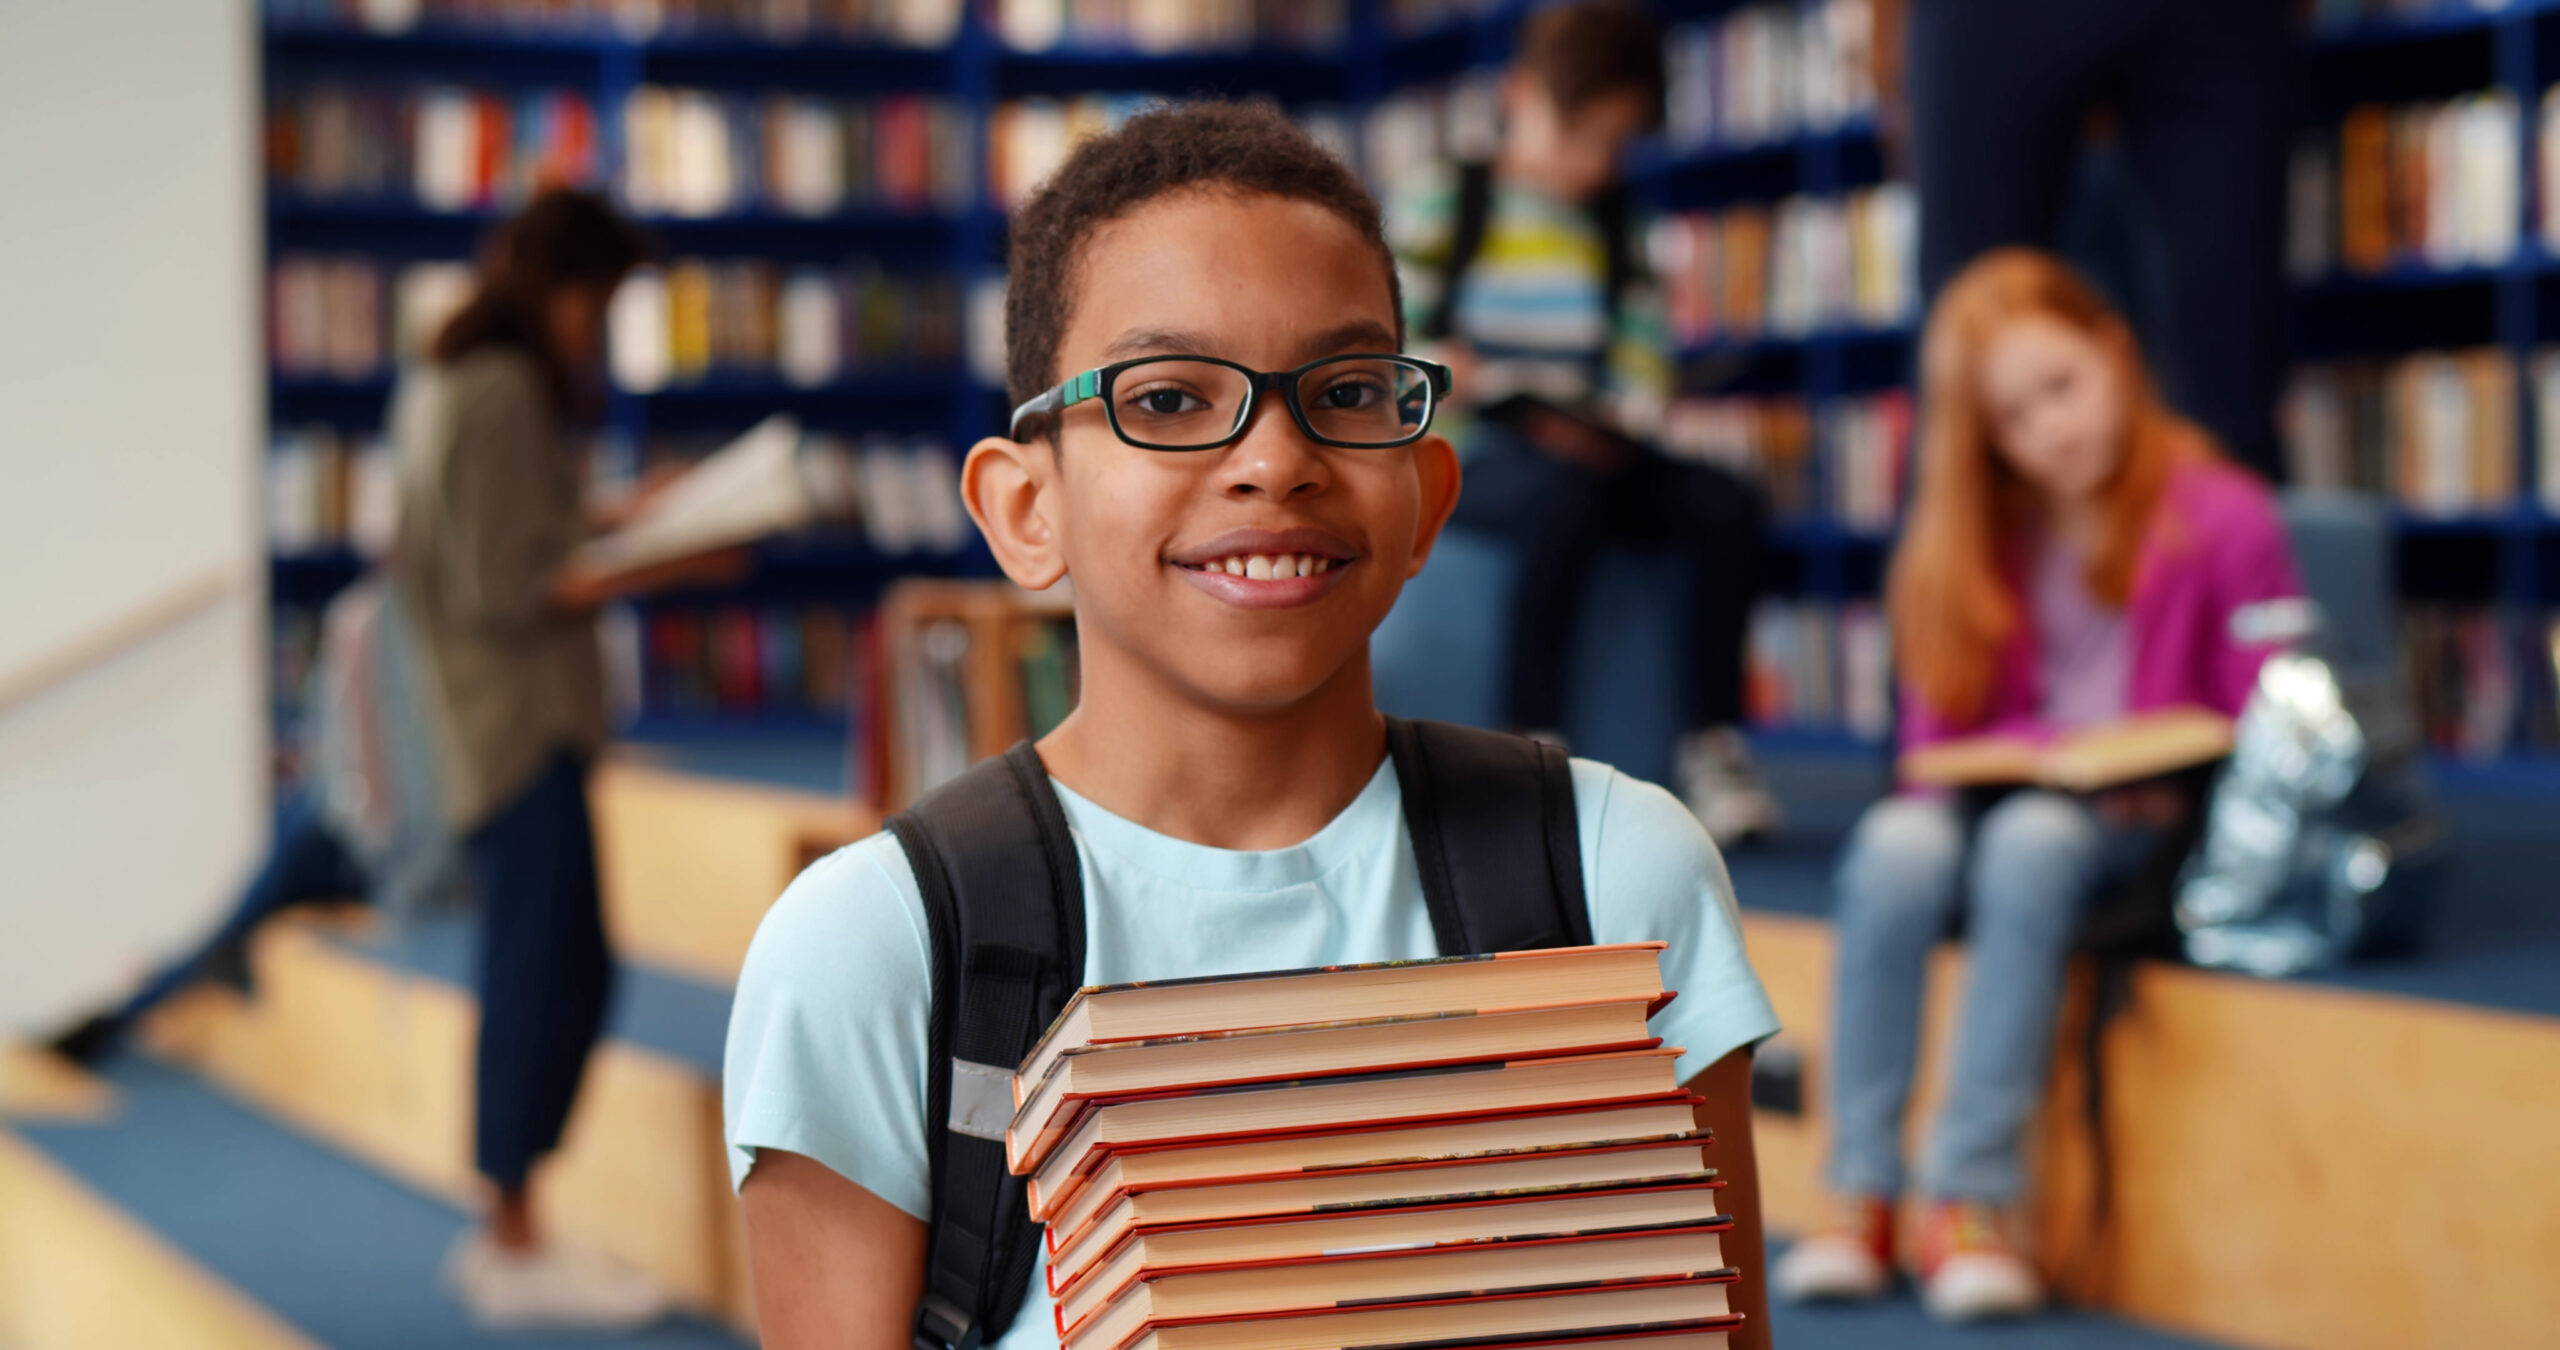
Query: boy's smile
[{"x": 1267, "y": 569}]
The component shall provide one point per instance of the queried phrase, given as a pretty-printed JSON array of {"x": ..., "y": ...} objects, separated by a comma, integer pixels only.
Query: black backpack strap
[
  {"x": 1466, "y": 240},
  {"x": 1612, "y": 216},
  {"x": 1004, "y": 901},
  {"x": 1495, "y": 835}
]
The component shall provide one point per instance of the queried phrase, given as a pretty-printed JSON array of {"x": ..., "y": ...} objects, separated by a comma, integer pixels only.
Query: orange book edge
[
  {"x": 1267, "y": 1220},
  {"x": 1722, "y": 1223},
  {"x": 1700, "y": 1139}
]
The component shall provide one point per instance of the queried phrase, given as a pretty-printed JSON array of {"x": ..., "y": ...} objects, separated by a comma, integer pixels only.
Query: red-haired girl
[{"x": 2073, "y": 555}]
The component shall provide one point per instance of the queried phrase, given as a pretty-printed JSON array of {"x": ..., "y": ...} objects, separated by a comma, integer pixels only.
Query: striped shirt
[{"x": 1534, "y": 303}]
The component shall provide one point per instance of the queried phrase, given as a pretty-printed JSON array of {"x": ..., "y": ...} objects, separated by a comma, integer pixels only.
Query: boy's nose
[{"x": 1273, "y": 458}]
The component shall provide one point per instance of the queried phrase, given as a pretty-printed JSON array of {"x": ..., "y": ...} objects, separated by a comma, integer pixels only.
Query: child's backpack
[{"x": 1495, "y": 837}]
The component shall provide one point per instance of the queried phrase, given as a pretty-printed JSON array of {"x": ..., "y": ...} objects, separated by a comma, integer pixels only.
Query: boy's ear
[
  {"x": 1435, "y": 462},
  {"x": 1006, "y": 486}
]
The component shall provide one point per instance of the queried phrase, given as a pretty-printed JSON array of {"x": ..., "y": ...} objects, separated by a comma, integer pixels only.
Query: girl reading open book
[{"x": 2069, "y": 569}]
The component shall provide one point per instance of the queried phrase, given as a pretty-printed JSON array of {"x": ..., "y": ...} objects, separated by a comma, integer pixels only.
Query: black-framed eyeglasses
[{"x": 1362, "y": 401}]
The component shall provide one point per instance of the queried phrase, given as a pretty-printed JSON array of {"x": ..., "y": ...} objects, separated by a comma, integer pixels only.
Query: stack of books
[{"x": 1464, "y": 1150}]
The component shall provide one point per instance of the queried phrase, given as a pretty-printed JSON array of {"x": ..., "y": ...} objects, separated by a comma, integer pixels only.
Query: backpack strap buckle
[{"x": 940, "y": 1325}]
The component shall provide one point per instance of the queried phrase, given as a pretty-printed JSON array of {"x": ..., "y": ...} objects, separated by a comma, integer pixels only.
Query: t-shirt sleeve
[
  {"x": 1651, "y": 874},
  {"x": 826, "y": 1052}
]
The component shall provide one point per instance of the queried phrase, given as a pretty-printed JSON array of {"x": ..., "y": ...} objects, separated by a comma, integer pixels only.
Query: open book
[
  {"x": 768, "y": 481},
  {"x": 2144, "y": 745}
]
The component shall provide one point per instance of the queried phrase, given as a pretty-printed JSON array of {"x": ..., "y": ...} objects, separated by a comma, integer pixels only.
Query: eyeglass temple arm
[{"x": 1052, "y": 400}]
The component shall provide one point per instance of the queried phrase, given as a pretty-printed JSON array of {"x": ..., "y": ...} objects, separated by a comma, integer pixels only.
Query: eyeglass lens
[{"x": 1180, "y": 402}]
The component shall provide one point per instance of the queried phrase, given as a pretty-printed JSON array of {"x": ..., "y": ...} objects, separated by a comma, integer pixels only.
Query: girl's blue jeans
[{"x": 2024, "y": 871}]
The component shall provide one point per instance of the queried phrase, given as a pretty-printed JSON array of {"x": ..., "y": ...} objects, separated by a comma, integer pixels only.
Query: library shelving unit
[
  {"x": 605, "y": 64},
  {"x": 2503, "y": 558}
]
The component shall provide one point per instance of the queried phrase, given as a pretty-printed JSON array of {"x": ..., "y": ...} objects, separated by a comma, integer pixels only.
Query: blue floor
[
  {"x": 1898, "y": 1324},
  {"x": 343, "y": 1253}
]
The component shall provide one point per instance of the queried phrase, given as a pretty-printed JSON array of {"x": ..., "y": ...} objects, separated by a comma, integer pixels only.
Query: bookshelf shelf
[
  {"x": 1716, "y": 158},
  {"x": 1831, "y": 339},
  {"x": 2440, "y": 21}
]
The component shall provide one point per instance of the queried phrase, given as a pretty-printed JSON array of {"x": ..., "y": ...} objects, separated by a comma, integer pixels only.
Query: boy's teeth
[{"x": 1271, "y": 566}]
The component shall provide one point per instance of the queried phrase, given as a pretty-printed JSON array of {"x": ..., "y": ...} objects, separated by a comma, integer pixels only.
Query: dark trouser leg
[
  {"x": 2207, "y": 107},
  {"x": 1998, "y": 90},
  {"x": 1720, "y": 521},
  {"x": 307, "y": 865},
  {"x": 1551, "y": 510},
  {"x": 545, "y": 972}
]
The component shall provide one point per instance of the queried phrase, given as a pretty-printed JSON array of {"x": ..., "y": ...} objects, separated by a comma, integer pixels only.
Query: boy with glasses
[{"x": 1218, "y": 439}]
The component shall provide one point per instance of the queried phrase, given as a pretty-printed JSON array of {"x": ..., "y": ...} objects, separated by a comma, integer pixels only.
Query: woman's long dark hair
[{"x": 563, "y": 237}]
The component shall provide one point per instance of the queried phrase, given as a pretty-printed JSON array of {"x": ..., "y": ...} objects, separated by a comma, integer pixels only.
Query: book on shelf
[
  {"x": 1163, "y": 27},
  {"x": 1414, "y": 134},
  {"x": 443, "y": 147},
  {"x": 2479, "y": 676},
  {"x": 803, "y": 325},
  {"x": 704, "y": 153},
  {"x": 348, "y": 317},
  {"x": 330, "y": 490},
  {"x": 2427, "y": 184},
  {"x": 911, "y": 23},
  {"x": 732, "y": 659},
  {"x": 1819, "y": 666},
  {"x": 1028, "y": 138},
  {"x": 1812, "y": 265},
  {"x": 2128, "y": 750},
  {"x": 2435, "y": 430},
  {"x": 1767, "y": 72},
  {"x": 1456, "y": 1149}
]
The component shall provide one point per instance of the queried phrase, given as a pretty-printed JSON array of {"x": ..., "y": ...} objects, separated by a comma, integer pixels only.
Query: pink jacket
[{"x": 2215, "y": 544}]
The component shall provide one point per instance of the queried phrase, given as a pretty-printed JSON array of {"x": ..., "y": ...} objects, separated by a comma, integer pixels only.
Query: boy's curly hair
[
  {"x": 1592, "y": 49},
  {"x": 1241, "y": 147}
]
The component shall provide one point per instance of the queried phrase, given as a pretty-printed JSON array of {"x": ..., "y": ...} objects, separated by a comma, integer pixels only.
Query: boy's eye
[
  {"x": 1350, "y": 395},
  {"x": 1166, "y": 401}
]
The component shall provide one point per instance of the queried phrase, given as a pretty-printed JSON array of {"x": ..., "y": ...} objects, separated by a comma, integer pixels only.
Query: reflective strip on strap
[{"x": 981, "y": 1099}]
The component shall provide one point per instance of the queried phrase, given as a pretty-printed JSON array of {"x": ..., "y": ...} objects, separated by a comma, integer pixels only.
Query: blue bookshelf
[{"x": 2506, "y": 558}]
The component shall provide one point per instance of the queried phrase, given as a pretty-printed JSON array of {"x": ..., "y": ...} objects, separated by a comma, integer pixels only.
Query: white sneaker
[
  {"x": 552, "y": 1287},
  {"x": 1724, "y": 789},
  {"x": 1829, "y": 1268},
  {"x": 1978, "y": 1286}
]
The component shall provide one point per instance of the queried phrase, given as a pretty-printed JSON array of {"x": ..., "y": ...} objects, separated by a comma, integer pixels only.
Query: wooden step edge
[
  {"x": 76, "y": 1272},
  {"x": 376, "y": 1063}
]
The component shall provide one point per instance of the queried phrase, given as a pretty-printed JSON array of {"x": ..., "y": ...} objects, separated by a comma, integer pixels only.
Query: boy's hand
[
  {"x": 577, "y": 591},
  {"x": 1725, "y": 1087}
]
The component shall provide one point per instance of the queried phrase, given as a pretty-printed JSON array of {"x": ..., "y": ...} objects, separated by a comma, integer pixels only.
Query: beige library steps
[{"x": 2293, "y": 1166}]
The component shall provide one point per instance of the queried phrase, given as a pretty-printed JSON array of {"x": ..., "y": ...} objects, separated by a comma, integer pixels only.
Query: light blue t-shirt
[{"x": 827, "y": 1038}]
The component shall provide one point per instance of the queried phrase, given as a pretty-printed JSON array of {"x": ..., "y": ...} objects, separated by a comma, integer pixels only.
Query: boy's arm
[
  {"x": 832, "y": 1265},
  {"x": 1725, "y": 1108}
]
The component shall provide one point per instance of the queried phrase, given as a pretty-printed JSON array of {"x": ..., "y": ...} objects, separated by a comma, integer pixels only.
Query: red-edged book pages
[
  {"x": 1705, "y": 1335},
  {"x": 1353, "y": 1279},
  {"x": 1377, "y": 1228},
  {"x": 1659, "y": 1163},
  {"x": 1623, "y": 1309},
  {"x": 1505, "y": 982},
  {"x": 1375, "y": 1098},
  {"x": 1349, "y": 1147},
  {"x": 1274, "y": 1054}
]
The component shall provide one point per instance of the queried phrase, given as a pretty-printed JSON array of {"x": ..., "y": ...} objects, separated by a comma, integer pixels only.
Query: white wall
[{"x": 131, "y": 795}]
